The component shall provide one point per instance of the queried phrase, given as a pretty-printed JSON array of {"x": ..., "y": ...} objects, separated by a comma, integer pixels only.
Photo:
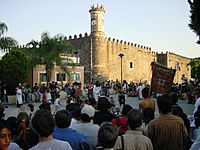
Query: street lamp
[
  {"x": 121, "y": 55},
  {"x": 32, "y": 45},
  {"x": 177, "y": 69}
]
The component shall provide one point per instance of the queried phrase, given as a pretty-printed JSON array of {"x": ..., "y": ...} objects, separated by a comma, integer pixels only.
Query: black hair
[
  {"x": 2, "y": 114},
  {"x": 74, "y": 109},
  {"x": 145, "y": 92},
  {"x": 103, "y": 104},
  {"x": 177, "y": 110},
  {"x": 126, "y": 108},
  {"x": 85, "y": 118},
  {"x": 45, "y": 106},
  {"x": 148, "y": 115},
  {"x": 174, "y": 97},
  {"x": 43, "y": 122},
  {"x": 13, "y": 125},
  {"x": 63, "y": 119},
  {"x": 134, "y": 118},
  {"x": 107, "y": 135},
  {"x": 4, "y": 124},
  {"x": 164, "y": 104}
]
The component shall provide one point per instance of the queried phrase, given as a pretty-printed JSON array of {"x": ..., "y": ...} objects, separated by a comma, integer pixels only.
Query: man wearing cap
[{"x": 86, "y": 126}]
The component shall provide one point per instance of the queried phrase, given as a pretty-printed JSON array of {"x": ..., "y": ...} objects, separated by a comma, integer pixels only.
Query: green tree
[
  {"x": 195, "y": 66},
  {"x": 6, "y": 43},
  {"x": 14, "y": 69},
  {"x": 48, "y": 53},
  {"x": 195, "y": 17}
]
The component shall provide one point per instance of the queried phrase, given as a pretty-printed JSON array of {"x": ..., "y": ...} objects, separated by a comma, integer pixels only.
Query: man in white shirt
[{"x": 86, "y": 126}]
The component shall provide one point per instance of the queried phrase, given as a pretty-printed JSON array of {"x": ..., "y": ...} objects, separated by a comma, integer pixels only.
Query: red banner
[{"x": 162, "y": 78}]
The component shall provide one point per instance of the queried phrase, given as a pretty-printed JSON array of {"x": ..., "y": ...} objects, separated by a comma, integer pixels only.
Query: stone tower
[{"x": 98, "y": 43}]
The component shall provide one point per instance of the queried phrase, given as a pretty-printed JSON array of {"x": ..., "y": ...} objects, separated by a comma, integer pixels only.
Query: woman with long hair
[{"x": 26, "y": 137}]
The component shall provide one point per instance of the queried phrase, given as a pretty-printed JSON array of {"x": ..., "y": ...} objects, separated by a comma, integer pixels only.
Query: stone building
[
  {"x": 99, "y": 58},
  {"x": 175, "y": 61},
  {"x": 99, "y": 55}
]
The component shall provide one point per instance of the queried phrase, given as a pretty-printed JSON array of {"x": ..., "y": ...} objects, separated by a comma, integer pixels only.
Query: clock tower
[
  {"x": 99, "y": 61},
  {"x": 97, "y": 20}
]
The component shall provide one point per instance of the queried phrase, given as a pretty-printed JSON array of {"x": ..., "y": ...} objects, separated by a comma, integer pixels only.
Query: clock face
[
  {"x": 93, "y": 22},
  {"x": 102, "y": 21}
]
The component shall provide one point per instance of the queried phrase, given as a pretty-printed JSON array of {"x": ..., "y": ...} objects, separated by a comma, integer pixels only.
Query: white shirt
[
  {"x": 196, "y": 105},
  {"x": 19, "y": 95},
  {"x": 88, "y": 129},
  {"x": 48, "y": 96},
  {"x": 57, "y": 102}
]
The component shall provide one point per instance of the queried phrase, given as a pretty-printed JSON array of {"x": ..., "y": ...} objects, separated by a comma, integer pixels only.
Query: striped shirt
[{"x": 166, "y": 132}]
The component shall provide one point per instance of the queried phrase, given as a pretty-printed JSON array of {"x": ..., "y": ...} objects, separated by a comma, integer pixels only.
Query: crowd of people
[{"x": 94, "y": 119}]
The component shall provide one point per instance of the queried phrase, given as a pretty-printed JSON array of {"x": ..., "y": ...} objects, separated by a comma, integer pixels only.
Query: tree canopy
[
  {"x": 195, "y": 66},
  {"x": 195, "y": 17},
  {"x": 6, "y": 43},
  {"x": 14, "y": 69},
  {"x": 47, "y": 52}
]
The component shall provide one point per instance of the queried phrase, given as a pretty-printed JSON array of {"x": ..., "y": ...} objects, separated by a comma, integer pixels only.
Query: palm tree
[
  {"x": 48, "y": 53},
  {"x": 6, "y": 43}
]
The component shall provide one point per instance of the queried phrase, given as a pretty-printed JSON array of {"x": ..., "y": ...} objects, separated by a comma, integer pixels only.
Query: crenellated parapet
[
  {"x": 97, "y": 8},
  {"x": 75, "y": 37},
  {"x": 130, "y": 45}
]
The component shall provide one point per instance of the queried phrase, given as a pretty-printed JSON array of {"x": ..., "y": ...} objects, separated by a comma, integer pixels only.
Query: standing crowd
[{"x": 94, "y": 118}]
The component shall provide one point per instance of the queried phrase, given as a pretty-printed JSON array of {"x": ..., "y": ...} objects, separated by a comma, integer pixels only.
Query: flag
[{"x": 162, "y": 78}]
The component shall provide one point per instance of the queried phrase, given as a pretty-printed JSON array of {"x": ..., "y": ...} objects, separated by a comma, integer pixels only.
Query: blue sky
[{"x": 159, "y": 24}]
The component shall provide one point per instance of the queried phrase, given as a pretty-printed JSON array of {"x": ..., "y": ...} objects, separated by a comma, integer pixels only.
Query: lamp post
[
  {"x": 177, "y": 69},
  {"x": 32, "y": 45},
  {"x": 121, "y": 55}
]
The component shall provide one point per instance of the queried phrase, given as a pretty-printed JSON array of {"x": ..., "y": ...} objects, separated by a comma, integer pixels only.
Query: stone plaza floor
[{"x": 12, "y": 110}]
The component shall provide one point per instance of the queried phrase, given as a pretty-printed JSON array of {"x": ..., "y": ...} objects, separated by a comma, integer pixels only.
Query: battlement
[
  {"x": 128, "y": 44},
  {"x": 97, "y": 8},
  {"x": 75, "y": 36}
]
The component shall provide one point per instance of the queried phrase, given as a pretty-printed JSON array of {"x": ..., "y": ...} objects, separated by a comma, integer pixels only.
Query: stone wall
[
  {"x": 83, "y": 46},
  {"x": 139, "y": 56},
  {"x": 180, "y": 63},
  {"x": 100, "y": 58}
]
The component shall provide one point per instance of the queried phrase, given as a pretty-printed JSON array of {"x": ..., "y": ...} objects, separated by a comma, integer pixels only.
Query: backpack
[{"x": 122, "y": 127}]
